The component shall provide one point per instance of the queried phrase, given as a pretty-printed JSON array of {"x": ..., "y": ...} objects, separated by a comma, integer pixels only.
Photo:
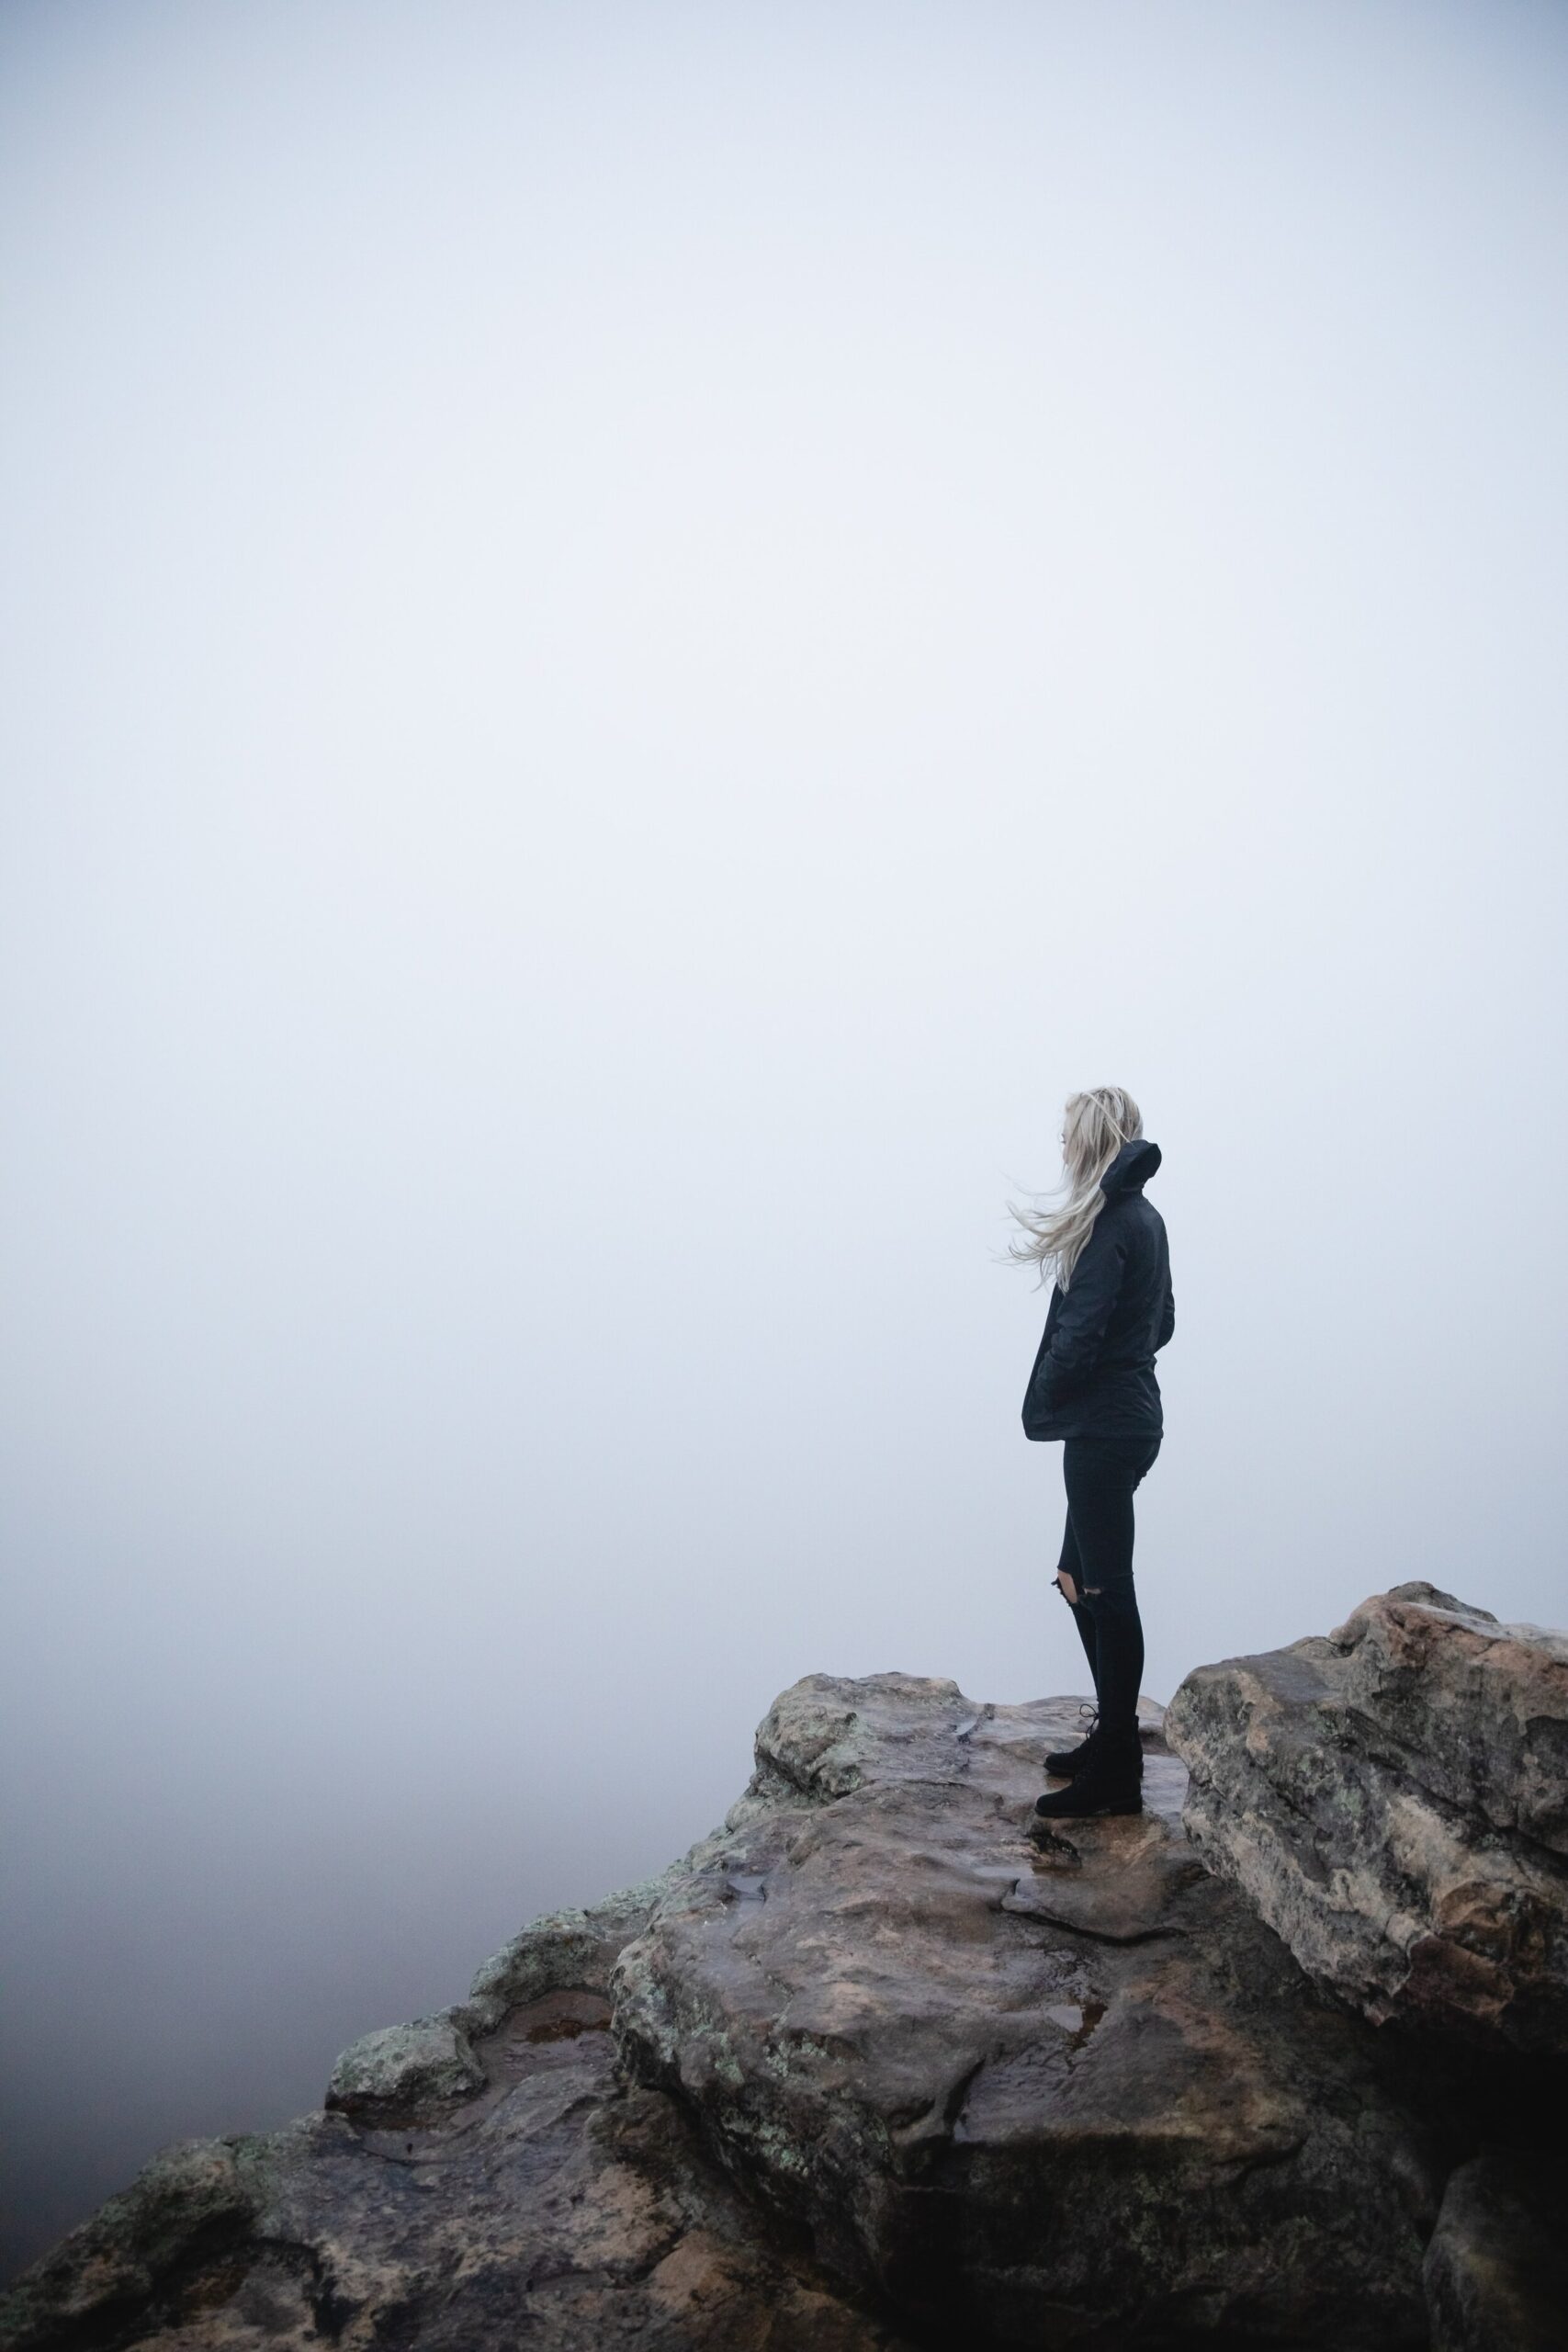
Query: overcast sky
[{"x": 636, "y": 633}]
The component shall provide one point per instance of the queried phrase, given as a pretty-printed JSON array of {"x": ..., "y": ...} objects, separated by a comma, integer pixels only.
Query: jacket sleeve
[
  {"x": 1167, "y": 1316},
  {"x": 1085, "y": 1311}
]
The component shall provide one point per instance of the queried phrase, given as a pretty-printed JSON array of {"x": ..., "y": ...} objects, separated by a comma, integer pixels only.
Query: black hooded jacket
[{"x": 1094, "y": 1375}]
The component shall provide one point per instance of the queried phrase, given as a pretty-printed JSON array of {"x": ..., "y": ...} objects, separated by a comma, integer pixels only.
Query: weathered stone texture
[
  {"x": 430, "y": 2059},
  {"x": 1393, "y": 1798},
  {"x": 556, "y": 2207},
  {"x": 1028, "y": 2096}
]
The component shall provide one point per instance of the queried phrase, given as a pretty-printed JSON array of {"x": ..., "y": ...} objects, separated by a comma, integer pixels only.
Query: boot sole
[{"x": 1089, "y": 1812}]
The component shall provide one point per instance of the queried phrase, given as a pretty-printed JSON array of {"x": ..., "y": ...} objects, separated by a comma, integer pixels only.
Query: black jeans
[{"x": 1100, "y": 1475}]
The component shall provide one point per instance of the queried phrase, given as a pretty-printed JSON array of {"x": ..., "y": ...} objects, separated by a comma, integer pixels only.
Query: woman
[{"x": 1093, "y": 1386}]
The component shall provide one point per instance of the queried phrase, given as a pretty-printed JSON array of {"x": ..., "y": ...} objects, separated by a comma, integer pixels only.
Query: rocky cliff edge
[{"x": 870, "y": 2068}]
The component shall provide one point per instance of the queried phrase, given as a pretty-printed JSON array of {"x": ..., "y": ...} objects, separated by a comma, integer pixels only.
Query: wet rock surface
[
  {"x": 1068, "y": 2097},
  {"x": 1394, "y": 1798}
]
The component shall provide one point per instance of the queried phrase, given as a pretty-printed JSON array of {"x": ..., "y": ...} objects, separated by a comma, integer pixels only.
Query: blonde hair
[{"x": 1094, "y": 1127}]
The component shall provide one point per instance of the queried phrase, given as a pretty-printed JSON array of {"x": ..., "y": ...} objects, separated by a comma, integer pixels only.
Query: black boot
[
  {"x": 1107, "y": 1783},
  {"x": 1066, "y": 1763},
  {"x": 1063, "y": 1762}
]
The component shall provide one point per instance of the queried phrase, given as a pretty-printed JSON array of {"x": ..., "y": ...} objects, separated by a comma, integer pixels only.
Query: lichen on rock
[{"x": 404, "y": 2065}]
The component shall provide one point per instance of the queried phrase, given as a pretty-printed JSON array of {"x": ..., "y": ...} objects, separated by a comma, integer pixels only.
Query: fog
[{"x": 635, "y": 636}]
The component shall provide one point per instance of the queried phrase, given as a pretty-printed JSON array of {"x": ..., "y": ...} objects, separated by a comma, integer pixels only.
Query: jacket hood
[{"x": 1131, "y": 1168}]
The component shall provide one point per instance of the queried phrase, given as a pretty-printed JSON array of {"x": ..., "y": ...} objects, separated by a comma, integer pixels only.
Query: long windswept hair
[{"x": 1094, "y": 1127}]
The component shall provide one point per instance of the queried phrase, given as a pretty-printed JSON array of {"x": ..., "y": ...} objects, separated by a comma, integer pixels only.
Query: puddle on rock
[
  {"x": 1075, "y": 2018},
  {"x": 561, "y": 2016}
]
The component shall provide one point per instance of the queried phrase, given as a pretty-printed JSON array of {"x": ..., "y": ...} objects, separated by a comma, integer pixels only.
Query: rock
[
  {"x": 558, "y": 2207},
  {"x": 1072, "y": 2097},
  {"x": 1497, "y": 2266},
  {"x": 183, "y": 2209},
  {"x": 403, "y": 2065},
  {"x": 564, "y": 1948},
  {"x": 868, "y": 2067},
  {"x": 1478, "y": 1711},
  {"x": 1393, "y": 1798}
]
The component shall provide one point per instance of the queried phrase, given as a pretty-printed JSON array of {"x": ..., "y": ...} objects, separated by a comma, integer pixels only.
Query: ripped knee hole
[{"x": 1070, "y": 1593}]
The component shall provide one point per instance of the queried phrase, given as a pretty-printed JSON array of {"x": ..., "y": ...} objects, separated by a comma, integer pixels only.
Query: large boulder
[
  {"x": 1079, "y": 2096},
  {"x": 1394, "y": 1798}
]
